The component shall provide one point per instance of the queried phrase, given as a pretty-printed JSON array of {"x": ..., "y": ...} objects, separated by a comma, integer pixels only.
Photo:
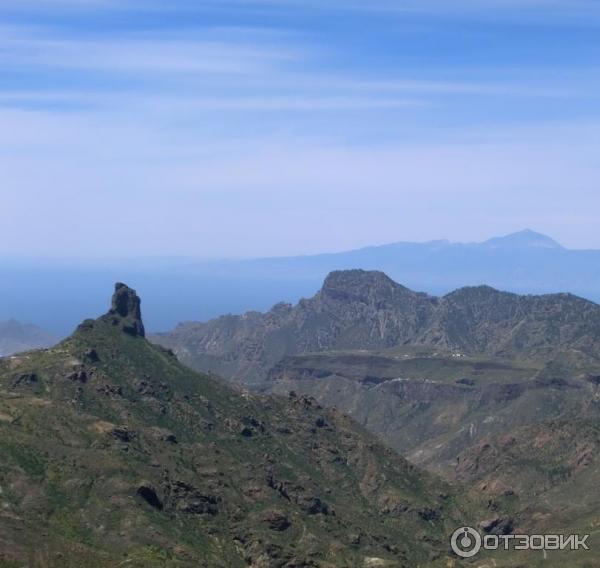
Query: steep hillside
[
  {"x": 434, "y": 408},
  {"x": 366, "y": 310},
  {"x": 113, "y": 453}
]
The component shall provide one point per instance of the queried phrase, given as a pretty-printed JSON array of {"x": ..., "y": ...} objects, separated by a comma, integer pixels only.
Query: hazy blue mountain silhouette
[{"x": 180, "y": 289}]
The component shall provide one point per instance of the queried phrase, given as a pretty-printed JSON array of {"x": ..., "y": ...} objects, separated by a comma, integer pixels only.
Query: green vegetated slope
[{"x": 114, "y": 454}]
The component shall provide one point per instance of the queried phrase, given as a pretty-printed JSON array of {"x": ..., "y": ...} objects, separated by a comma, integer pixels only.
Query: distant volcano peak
[{"x": 523, "y": 239}]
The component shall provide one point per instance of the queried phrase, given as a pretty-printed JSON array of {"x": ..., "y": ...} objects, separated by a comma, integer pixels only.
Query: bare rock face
[
  {"x": 361, "y": 286},
  {"x": 497, "y": 525},
  {"x": 148, "y": 493},
  {"x": 276, "y": 521},
  {"x": 126, "y": 310}
]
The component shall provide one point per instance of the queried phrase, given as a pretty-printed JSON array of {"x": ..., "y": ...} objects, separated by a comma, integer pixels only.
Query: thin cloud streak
[
  {"x": 263, "y": 67},
  {"x": 164, "y": 56}
]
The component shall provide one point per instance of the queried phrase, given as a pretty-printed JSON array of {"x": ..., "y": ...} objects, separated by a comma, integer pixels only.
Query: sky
[{"x": 241, "y": 128}]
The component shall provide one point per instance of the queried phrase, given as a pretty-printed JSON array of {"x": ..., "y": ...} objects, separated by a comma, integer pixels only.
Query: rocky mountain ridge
[{"x": 359, "y": 309}]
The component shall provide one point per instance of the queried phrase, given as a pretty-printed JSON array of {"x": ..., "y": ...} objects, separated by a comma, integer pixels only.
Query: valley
[{"x": 488, "y": 390}]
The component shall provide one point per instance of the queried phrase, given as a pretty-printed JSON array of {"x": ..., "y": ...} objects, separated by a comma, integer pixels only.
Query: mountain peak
[
  {"x": 337, "y": 277},
  {"x": 523, "y": 239},
  {"x": 357, "y": 282},
  {"x": 126, "y": 310}
]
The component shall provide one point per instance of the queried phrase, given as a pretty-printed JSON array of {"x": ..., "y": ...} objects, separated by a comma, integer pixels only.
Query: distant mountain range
[
  {"x": 185, "y": 289},
  {"x": 16, "y": 337},
  {"x": 357, "y": 309}
]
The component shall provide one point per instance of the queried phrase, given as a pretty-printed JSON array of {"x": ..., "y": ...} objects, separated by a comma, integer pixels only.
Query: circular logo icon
[{"x": 465, "y": 542}]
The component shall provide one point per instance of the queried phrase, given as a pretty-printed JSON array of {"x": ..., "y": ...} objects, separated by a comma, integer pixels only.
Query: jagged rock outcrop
[{"x": 126, "y": 311}]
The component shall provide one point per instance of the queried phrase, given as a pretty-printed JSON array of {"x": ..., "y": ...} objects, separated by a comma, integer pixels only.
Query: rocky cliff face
[
  {"x": 366, "y": 310},
  {"x": 126, "y": 311}
]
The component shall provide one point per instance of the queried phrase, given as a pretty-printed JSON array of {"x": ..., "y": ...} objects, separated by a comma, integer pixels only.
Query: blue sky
[{"x": 249, "y": 128}]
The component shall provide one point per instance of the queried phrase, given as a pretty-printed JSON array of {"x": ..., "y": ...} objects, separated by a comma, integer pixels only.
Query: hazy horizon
[
  {"x": 245, "y": 128},
  {"x": 324, "y": 251},
  {"x": 59, "y": 293}
]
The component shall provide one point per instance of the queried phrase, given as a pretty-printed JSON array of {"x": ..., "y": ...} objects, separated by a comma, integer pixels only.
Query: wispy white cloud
[
  {"x": 185, "y": 104},
  {"x": 248, "y": 70},
  {"x": 252, "y": 59},
  {"x": 32, "y": 47}
]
